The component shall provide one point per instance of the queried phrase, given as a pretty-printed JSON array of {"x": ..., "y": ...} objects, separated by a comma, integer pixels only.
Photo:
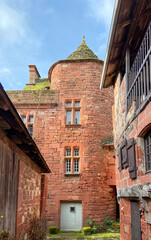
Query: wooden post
[{"x": 127, "y": 69}]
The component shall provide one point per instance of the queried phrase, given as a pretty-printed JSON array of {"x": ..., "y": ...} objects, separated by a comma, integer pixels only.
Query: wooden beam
[
  {"x": 20, "y": 135},
  {"x": 15, "y": 139},
  {"x": 145, "y": 14},
  {"x": 125, "y": 23},
  {"x": 114, "y": 60},
  {"x": 111, "y": 75},
  {"x": 119, "y": 44},
  {"x": 137, "y": 9},
  {"x": 10, "y": 119},
  {"x": 3, "y": 124},
  {"x": 3, "y": 105}
]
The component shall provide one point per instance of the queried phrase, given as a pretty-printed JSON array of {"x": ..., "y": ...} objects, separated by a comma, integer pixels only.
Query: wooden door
[
  {"x": 135, "y": 221},
  {"x": 8, "y": 188}
]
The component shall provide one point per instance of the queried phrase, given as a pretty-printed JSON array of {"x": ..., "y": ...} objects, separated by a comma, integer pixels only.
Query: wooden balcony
[{"x": 139, "y": 77}]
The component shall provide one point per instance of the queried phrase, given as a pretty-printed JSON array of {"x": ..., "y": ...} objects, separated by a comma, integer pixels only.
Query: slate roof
[{"x": 82, "y": 52}]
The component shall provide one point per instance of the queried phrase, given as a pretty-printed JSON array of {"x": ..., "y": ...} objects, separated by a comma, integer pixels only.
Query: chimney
[{"x": 33, "y": 74}]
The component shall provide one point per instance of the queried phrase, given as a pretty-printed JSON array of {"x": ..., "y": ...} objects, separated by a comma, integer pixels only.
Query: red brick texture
[
  {"x": 132, "y": 127},
  {"x": 29, "y": 191},
  {"x": 78, "y": 80}
]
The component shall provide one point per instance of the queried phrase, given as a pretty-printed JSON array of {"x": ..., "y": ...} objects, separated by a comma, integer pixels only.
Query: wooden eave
[
  {"x": 15, "y": 130},
  {"x": 129, "y": 24}
]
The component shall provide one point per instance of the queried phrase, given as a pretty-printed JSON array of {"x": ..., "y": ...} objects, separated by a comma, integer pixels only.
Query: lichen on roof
[
  {"x": 41, "y": 83},
  {"x": 83, "y": 52}
]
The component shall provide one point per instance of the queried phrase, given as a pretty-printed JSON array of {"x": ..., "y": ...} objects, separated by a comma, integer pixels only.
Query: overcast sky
[{"x": 41, "y": 32}]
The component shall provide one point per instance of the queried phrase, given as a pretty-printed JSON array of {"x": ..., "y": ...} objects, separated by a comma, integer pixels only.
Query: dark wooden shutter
[
  {"x": 123, "y": 146},
  {"x": 120, "y": 159},
  {"x": 131, "y": 157}
]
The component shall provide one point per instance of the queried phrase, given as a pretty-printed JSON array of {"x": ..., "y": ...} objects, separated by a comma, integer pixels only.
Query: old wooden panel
[
  {"x": 135, "y": 221},
  {"x": 120, "y": 160},
  {"x": 131, "y": 158},
  {"x": 8, "y": 187},
  {"x": 123, "y": 146}
]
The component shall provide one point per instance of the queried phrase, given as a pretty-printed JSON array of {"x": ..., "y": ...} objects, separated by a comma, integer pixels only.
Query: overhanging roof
[
  {"x": 15, "y": 130},
  {"x": 129, "y": 23}
]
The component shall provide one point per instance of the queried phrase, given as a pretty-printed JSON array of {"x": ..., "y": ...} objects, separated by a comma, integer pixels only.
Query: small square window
[
  {"x": 68, "y": 152},
  {"x": 31, "y": 119},
  {"x": 68, "y": 104},
  {"x": 76, "y": 152},
  {"x": 72, "y": 209},
  {"x": 77, "y": 103},
  {"x": 24, "y": 118}
]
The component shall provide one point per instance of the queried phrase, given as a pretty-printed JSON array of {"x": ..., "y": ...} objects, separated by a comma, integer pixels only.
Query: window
[
  {"x": 28, "y": 121},
  {"x": 76, "y": 165},
  {"x": 72, "y": 112},
  {"x": 72, "y": 209},
  {"x": 30, "y": 129},
  {"x": 24, "y": 118},
  {"x": 72, "y": 158},
  {"x": 68, "y": 152},
  {"x": 68, "y": 166},
  {"x": 31, "y": 119},
  {"x": 68, "y": 119},
  {"x": 147, "y": 140}
]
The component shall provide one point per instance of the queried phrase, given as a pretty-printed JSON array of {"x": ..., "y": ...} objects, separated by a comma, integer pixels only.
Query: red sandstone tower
[{"x": 71, "y": 122}]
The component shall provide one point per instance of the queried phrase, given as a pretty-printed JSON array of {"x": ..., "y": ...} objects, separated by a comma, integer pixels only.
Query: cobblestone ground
[{"x": 78, "y": 236}]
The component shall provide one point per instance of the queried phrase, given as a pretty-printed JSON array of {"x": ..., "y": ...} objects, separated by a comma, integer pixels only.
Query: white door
[{"x": 71, "y": 216}]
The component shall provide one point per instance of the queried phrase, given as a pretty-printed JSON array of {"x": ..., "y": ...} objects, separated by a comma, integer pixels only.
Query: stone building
[
  {"x": 128, "y": 68},
  {"x": 70, "y": 120},
  {"x": 22, "y": 183}
]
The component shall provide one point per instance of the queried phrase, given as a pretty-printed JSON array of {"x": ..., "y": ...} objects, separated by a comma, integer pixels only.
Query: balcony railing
[{"x": 139, "y": 77}]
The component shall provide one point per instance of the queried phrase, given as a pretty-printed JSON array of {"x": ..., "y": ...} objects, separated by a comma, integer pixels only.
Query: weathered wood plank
[{"x": 8, "y": 187}]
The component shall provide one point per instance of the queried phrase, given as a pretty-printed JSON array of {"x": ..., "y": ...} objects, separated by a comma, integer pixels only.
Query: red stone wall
[
  {"x": 76, "y": 80},
  {"x": 131, "y": 126},
  {"x": 29, "y": 191},
  {"x": 28, "y": 184}
]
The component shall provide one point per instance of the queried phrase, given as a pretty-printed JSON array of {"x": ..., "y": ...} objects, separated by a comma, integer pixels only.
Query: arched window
[{"x": 147, "y": 142}]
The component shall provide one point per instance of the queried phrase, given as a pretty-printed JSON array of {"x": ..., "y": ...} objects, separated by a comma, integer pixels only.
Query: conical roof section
[{"x": 83, "y": 52}]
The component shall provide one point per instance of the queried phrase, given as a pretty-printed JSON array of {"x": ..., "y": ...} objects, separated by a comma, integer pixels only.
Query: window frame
[
  {"x": 145, "y": 152},
  {"x": 73, "y": 108},
  {"x": 73, "y": 158},
  {"x": 28, "y": 123}
]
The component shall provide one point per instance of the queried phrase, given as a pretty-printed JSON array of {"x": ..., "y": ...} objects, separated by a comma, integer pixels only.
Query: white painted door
[{"x": 71, "y": 216}]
